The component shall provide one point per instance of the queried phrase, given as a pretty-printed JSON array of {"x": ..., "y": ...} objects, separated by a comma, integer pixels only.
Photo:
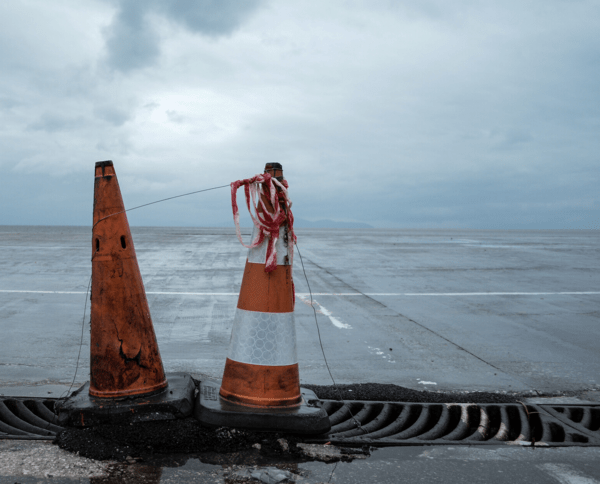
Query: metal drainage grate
[
  {"x": 389, "y": 423},
  {"x": 584, "y": 418},
  {"x": 27, "y": 419}
]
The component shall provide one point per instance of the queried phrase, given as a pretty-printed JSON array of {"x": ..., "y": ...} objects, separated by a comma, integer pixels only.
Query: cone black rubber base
[
  {"x": 307, "y": 418},
  {"x": 175, "y": 401}
]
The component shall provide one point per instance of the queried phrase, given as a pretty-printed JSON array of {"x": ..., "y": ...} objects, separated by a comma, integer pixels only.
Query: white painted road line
[
  {"x": 566, "y": 474},
  {"x": 41, "y": 292},
  {"x": 343, "y": 294},
  {"x": 37, "y": 247},
  {"x": 411, "y": 294},
  {"x": 147, "y": 292},
  {"x": 324, "y": 311},
  {"x": 484, "y": 293}
]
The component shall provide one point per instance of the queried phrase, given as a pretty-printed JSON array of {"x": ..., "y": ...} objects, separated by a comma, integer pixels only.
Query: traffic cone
[
  {"x": 262, "y": 366},
  {"x": 125, "y": 361},
  {"x": 261, "y": 381},
  {"x": 124, "y": 355}
]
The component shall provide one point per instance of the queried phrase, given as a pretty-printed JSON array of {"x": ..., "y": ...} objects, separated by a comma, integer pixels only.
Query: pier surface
[{"x": 457, "y": 310}]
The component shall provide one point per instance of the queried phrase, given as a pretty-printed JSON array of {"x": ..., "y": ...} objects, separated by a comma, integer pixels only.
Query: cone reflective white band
[
  {"x": 258, "y": 255},
  {"x": 263, "y": 338}
]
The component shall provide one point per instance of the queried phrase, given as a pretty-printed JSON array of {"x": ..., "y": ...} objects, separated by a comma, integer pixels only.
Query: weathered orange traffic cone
[
  {"x": 124, "y": 355},
  {"x": 261, "y": 382},
  {"x": 127, "y": 379}
]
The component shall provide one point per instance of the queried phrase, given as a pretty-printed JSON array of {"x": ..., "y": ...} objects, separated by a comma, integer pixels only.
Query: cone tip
[{"x": 275, "y": 169}]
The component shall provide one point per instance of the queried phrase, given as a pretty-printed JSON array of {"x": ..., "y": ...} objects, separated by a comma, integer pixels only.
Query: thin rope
[
  {"x": 321, "y": 344},
  {"x": 81, "y": 341},
  {"x": 90, "y": 282},
  {"x": 305, "y": 276},
  {"x": 158, "y": 201}
]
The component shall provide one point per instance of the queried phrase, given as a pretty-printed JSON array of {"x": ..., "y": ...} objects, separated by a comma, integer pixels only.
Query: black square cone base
[
  {"x": 306, "y": 418},
  {"x": 83, "y": 410}
]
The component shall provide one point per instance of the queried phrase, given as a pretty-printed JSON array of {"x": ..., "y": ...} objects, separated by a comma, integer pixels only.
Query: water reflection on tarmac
[{"x": 444, "y": 464}]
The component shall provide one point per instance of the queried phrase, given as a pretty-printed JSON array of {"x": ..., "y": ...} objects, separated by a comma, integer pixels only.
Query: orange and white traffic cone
[
  {"x": 262, "y": 366},
  {"x": 261, "y": 370},
  {"x": 125, "y": 360}
]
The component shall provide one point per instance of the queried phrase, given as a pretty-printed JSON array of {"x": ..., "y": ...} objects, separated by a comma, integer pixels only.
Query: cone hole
[
  {"x": 97, "y": 245},
  {"x": 123, "y": 242}
]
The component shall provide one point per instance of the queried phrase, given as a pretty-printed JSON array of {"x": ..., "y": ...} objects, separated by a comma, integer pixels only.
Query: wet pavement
[
  {"x": 455, "y": 464},
  {"x": 457, "y": 311},
  {"x": 406, "y": 307}
]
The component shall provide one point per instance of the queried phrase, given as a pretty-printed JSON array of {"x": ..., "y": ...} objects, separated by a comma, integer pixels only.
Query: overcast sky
[{"x": 429, "y": 113}]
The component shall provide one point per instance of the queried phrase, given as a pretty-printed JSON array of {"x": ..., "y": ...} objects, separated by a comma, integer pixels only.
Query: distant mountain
[{"x": 329, "y": 224}]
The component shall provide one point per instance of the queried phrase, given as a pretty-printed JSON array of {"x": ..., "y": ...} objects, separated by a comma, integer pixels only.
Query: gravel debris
[
  {"x": 41, "y": 459},
  {"x": 332, "y": 453},
  {"x": 267, "y": 475}
]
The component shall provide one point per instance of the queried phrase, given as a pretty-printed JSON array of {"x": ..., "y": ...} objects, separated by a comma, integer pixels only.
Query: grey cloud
[
  {"x": 511, "y": 139},
  {"x": 209, "y": 17},
  {"x": 112, "y": 115},
  {"x": 467, "y": 115},
  {"x": 132, "y": 42},
  {"x": 175, "y": 117},
  {"x": 111, "y": 145},
  {"x": 6, "y": 103},
  {"x": 52, "y": 123},
  {"x": 516, "y": 137},
  {"x": 436, "y": 10}
]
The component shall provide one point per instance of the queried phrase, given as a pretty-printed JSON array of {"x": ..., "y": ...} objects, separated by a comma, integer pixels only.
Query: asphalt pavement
[
  {"x": 437, "y": 310},
  {"x": 34, "y": 462}
]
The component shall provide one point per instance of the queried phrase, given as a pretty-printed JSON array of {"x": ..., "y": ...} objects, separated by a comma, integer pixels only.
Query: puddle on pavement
[{"x": 230, "y": 468}]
